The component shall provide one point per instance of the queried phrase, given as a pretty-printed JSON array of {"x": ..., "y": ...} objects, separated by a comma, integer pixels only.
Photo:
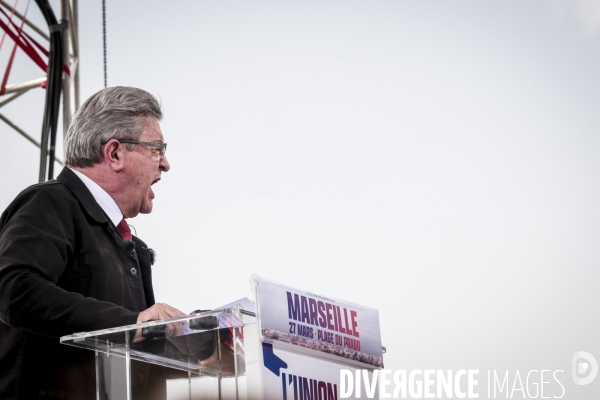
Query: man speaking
[{"x": 68, "y": 261}]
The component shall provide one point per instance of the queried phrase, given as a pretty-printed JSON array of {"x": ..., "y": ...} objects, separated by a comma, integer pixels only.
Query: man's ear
[{"x": 113, "y": 153}]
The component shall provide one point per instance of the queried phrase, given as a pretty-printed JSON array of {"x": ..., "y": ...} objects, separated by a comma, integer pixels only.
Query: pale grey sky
[{"x": 438, "y": 161}]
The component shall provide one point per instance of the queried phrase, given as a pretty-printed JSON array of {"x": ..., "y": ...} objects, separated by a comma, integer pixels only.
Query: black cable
[
  {"x": 55, "y": 94},
  {"x": 53, "y": 91},
  {"x": 104, "y": 40}
]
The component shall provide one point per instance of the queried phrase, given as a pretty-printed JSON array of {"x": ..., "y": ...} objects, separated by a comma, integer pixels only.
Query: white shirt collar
[{"x": 108, "y": 204}]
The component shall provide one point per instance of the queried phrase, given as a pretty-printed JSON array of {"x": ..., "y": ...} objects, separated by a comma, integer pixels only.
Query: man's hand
[{"x": 157, "y": 312}]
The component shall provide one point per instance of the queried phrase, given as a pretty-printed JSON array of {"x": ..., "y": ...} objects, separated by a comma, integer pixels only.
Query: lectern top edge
[{"x": 244, "y": 317}]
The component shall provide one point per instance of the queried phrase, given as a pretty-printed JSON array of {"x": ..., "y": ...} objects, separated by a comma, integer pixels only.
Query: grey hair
[{"x": 119, "y": 112}]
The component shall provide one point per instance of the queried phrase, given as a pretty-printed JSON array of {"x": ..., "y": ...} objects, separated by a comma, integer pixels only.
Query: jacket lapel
[
  {"x": 89, "y": 204},
  {"x": 95, "y": 212}
]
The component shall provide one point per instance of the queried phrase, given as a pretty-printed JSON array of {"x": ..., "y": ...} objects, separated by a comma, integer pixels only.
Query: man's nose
[{"x": 164, "y": 165}]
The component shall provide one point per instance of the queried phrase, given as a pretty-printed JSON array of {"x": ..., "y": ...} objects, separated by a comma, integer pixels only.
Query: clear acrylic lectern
[{"x": 207, "y": 355}]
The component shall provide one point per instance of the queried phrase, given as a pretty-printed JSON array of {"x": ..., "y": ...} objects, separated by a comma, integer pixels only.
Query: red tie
[{"x": 124, "y": 230}]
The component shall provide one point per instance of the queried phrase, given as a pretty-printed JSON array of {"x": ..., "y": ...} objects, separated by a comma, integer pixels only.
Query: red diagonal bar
[
  {"x": 14, "y": 51},
  {"x": 32, "y": 40},
  {"x": 24, "y": 45},
  {"x": 27, "y": 41}
]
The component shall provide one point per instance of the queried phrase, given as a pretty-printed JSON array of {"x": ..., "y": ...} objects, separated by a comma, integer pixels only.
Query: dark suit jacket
[{"x": 64, "y": 268}]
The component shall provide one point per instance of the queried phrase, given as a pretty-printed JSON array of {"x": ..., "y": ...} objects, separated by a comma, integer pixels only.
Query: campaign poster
[
  {"x": 291, "y": 375},
  {"x": 319, "y": 323}
]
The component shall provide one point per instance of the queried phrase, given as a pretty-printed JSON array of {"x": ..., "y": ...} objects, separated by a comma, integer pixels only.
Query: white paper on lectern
[{"x": 244, "y": 303}]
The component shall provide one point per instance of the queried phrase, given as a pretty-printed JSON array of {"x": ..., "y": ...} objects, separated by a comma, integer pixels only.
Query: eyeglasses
[{"x": 162, "y": 147}]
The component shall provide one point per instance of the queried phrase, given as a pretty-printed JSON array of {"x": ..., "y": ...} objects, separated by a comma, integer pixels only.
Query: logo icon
[{"x": 585, "y": 368}]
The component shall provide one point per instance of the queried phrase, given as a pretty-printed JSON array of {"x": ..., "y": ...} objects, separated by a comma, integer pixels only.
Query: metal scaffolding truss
[{"x": 60, "y": 73}]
